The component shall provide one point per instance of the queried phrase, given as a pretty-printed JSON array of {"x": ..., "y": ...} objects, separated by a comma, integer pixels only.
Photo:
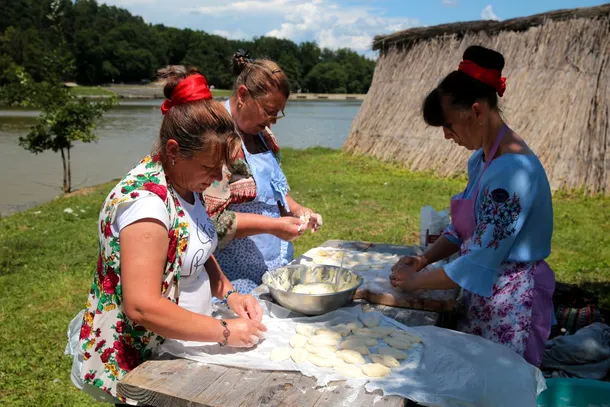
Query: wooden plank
[
  {"x": 232, "y": 388},
  {"x": 165, "y": 383},
  {"x": 340, "y": 395},
  {"x": 284, "y": 389}
]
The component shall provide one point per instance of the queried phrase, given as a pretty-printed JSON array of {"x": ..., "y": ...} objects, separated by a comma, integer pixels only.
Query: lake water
[{"x": 126, "y": 134}]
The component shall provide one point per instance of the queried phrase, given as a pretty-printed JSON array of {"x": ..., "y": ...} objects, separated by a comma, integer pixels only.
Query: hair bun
[
  {"x": 240, "y": 60},
  {"x": 484, "y": 57},
  {"x": 172, "y": 75}
]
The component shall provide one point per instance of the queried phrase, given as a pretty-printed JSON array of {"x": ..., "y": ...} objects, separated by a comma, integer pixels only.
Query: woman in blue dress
[
  {"x": 501, "y": 224},
  {"x": 251, "y": 208}
]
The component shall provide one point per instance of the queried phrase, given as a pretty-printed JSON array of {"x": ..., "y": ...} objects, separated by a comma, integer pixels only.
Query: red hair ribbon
[
  {"x": 193, "y": 88},
  {"x": 491, "y": 77}
]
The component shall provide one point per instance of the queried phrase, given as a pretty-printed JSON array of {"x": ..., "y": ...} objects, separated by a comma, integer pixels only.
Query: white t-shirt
[{"x": 195, "y": 292}]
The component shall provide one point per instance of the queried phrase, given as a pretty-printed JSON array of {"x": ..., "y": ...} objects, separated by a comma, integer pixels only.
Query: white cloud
[
  {"x": 449, "y": 3},
  {"x": 331, "y": 23},
  {"x": 327, "y": 22},
  {"x": 488, "y": 13}
]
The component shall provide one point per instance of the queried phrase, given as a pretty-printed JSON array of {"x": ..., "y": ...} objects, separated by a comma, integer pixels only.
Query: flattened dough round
[
  {"x": 279, "y": 354},
  {"x": 322, "y": 362},
  {"x": 305, "y": 330},
  {"x": 395, "y": 353},
  {"x": 358, "y": 341},
  {"x": 398, "y": 344},
  {"x": 376, "y": 370},
  {"x": 328, "y": 332},
  {"x": 369, "y": 333},
  {"x": 370, "y": 320},
  {"x": 386, "y": 360},
  {"x": 351, "y": 357},
  {"x": 349, "y": 370},
  {"x": 342, "y": 329},
  {"x": 317, "y": 349},
  {"x": 298, "y": 341},
  {"x": 299, "y": 355},
  {"x": 323, "y": 340}
]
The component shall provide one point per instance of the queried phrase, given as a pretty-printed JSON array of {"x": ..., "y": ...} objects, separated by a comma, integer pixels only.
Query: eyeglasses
[{"x": 269, "y": 117}]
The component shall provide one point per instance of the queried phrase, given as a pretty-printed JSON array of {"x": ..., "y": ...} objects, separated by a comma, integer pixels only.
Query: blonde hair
[{"x": 259, "y": 76}]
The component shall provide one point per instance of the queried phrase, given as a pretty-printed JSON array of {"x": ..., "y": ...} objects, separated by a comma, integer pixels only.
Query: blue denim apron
[{"x": 244, "y": 261}]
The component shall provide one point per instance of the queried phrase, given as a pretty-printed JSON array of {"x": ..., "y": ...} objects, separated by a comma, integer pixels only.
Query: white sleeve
[{"x": 143, "y": 208}]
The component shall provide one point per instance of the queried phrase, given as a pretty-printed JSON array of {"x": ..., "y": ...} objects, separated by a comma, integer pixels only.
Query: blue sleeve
[
  {"x": 501, "y": 209},
  {"x": 452, "y": 235}
]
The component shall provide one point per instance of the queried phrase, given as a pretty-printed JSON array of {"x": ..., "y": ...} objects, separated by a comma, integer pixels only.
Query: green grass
[
  {"x": 91, "y": 91},
  {"x": 47, "y": 257},
  {"x": 222, "y": 92}
]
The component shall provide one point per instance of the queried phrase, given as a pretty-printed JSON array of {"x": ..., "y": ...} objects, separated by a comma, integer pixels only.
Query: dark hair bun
[
  {"x": 484, "y": 57},
  {"x": 172, "y": 75},
  {"x": 239, "y": 61}
]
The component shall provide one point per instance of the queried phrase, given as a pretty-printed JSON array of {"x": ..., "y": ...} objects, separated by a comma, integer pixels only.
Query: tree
[
  {"x": 327, "y": 77},
  {"x": 64, "y": 118}
]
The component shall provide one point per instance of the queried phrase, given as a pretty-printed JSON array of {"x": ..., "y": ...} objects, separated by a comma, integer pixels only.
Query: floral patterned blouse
[
  {"x": 237, "y": 186},
  {"x": 112, "y": 344}
]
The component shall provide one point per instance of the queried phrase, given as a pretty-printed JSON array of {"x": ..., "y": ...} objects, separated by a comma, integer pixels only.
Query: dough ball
[{"x": 370, "y": 320}]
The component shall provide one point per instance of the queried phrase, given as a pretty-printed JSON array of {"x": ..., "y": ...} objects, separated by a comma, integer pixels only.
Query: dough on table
[
  {"x": 376, "y": 370},
  {"x": 370, "y": 320},
  {"x": 298, "y": 341},
  {"x": 342, "y": 329},
  {"x": 279, "y": 354},
  {"x": 406, "y": 336},
  {"x": 299, "y": 355},
  {"x": 386, "y": 360},
  {"x": 350, "y": 356},
  {"x": 369, "y": 333},
  {"x": 395, "y": 353},
  {"x": 321, "y": 361},
  {"x": 348, "y": 370},
  {"x": 305, "y": 330},
  {"x": 322, "y": 340},
  {"x": 328, "y": 332},
  {"x": 386, "y": 330},
  {"x": 398, "y": 344},
  {"x": 354, "y": 325},
  {"x": 358, "y": 341}
]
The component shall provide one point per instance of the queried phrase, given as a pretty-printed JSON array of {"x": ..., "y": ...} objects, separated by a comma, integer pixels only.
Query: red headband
[
  {"x": 491, "y": 77},
  {"x": 193, "y": 88}
]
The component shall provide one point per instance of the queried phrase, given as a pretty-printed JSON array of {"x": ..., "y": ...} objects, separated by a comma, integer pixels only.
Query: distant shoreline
[{"x": 154, "y": 92}]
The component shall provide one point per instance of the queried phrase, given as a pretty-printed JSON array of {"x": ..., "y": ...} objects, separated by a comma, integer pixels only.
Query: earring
[
  {"x": 173, "y": 162},
  {"x": 480, "y": 123}
]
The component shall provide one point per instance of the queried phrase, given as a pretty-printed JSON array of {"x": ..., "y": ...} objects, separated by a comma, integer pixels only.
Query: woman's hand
[
  {"x": 314, "y": 220},
  {"x": 245, "y": 306},
  {"x": 245, "y": 333},
  {"x": 288, "y": 227},
  {"x": 404, "y": 271}
]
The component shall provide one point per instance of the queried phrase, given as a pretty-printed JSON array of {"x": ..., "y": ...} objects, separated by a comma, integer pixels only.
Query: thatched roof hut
[{"x": 557, "y": 98}]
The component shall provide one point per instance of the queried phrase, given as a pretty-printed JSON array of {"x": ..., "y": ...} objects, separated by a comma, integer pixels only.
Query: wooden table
[{"x": 181, "y": 382}]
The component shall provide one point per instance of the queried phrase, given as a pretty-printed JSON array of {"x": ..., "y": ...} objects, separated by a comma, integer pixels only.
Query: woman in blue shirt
[{"x": 501, "y": 224}]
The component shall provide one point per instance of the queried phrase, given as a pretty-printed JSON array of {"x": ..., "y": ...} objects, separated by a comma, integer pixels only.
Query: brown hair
[
  {"x": 260, "y": 76},
  {"x": 198, "y": 125}
]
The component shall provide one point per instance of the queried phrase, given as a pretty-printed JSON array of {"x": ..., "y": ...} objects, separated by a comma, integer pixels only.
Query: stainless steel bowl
[{"x": 284, "y": 279}]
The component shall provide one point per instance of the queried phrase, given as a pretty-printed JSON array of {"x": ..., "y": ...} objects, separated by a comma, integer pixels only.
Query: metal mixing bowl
[{"x": 284, "y": 279}]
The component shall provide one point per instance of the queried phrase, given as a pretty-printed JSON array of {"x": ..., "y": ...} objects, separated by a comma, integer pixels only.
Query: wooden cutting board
[{"x": 377, "y": 289}]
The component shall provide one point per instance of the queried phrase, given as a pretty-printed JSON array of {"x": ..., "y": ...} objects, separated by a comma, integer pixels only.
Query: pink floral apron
[{"x": 518, "y": 313}]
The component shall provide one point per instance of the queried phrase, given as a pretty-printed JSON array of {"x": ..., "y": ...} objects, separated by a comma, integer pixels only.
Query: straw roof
[{"x": 557, "y": 98}]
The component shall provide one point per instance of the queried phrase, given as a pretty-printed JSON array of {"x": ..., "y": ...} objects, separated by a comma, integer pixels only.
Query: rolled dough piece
[
  {"x": 386, "y": 360},
  {"x": 279, "y": 354},
  {"x": 369, "y": 333},
  {"x": 348, "y": 370},
  {"x": 298, "y": 341},
  {"x": 316, "y": 349},
  {"x": 322, "y": 362},
  {"x": 370, "y": 320},
  {"x": 406, "y": 336},
  {"x": 306, "y": 330},
  {"x": 354, "y": 325},
  {"x": 376, "y": 370},
  {"x": 322, "y": 340},
  {"x": 398, "y": 344},
  {"x": 386, "y": 330},
  {"x": 299, "y": 355},
  {"x": 342, "y": 329},
  {"x": 358, "y": 341},
  {"x": 395, "y": 353},
  {"x": 351, "y": 357},
  {"x": 328, "y": 332}
]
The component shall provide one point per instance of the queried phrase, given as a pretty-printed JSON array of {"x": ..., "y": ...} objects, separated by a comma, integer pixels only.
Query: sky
[{"x": 331, "y": 23}]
